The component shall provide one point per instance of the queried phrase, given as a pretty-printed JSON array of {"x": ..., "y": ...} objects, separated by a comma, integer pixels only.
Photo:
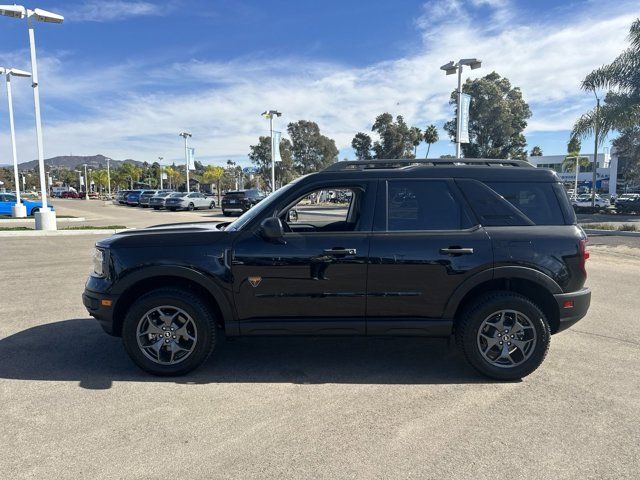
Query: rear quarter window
[{"x": 537, "y": 201}]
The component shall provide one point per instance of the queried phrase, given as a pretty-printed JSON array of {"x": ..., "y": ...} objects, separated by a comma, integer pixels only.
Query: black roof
[{"x": 480, "y": 169}]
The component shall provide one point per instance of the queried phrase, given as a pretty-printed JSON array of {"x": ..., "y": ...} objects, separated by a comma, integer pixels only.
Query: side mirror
[
  {"x": 271, "y": 229},
  {"x": 292, "y": 215}
]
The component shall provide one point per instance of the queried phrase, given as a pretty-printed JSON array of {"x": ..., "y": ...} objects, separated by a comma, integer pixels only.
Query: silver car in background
[
  {"x": 157, "y": 201},
  {"x": 188, "y": 201}
]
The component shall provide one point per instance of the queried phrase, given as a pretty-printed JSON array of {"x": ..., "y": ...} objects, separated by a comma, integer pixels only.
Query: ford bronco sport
[{"x": 485, "y": 250}]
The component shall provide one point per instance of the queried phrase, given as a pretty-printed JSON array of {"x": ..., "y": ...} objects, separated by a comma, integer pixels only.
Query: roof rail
[{"x": 430, "y": 162}]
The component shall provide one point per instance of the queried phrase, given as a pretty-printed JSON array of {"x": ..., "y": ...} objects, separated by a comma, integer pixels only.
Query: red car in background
[{"x": 69, "y": 194}]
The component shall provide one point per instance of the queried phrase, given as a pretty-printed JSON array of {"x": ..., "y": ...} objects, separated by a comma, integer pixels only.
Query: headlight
[{"x": 98, "y": 262}]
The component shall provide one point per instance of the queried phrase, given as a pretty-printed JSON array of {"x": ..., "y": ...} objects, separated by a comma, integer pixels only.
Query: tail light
[{"x": 584, "y": 255}]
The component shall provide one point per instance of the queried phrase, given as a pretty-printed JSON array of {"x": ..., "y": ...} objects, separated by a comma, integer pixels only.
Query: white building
[{"x": 606, "y": 172}]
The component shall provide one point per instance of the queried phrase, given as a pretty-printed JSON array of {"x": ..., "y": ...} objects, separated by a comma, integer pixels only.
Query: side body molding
[{"x": 524, "y": 273}]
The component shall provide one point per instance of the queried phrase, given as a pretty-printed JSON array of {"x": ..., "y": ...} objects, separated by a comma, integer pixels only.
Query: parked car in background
[
  {"x": 239, "y": 201},
  {"x": 69, "y": 194},
  {"x": 628, "y": 203},
  {"x": 188, "y": 201},
  {"x": 584, "y": 202},
  {"x": 8, "y": 200},
  {"x": 133, "y": 198},
  {"x": 146, "y": 196},
  {"x": 157, "y": 201},
  {"x": 121, "y": 197}
]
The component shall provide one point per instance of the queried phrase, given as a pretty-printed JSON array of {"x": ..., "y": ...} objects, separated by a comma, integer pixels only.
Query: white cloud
[
  {"x": 110, "y": 10},
  {"x": 137, "y": 110}
]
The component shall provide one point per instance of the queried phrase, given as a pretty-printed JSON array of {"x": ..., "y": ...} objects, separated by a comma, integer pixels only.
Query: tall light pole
[
  {"x": 595, "y": 150},
  {"x": 160, "y": 160},
  {"x": 270, "y": 114},
  {"x": 18, "y": 210},
  {"x": 456, "y": 67},
  {"x": 186, "y": 136},
  {"x": 86, "y": 184},
  {"x": 109, "y": 176},
  {"x": 45, "y": 217}
]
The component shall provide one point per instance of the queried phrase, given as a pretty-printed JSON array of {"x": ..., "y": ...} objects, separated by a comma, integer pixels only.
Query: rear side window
[
  {"x": 491, "y": 209},
  {"x": 423, "y": 205},
  {"x": 538, "y": 201}
]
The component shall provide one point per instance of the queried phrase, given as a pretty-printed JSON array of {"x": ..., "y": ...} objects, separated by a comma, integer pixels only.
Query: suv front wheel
[
  {"x": 503, "y": 335},
  {"x": 169, "y": 331}
]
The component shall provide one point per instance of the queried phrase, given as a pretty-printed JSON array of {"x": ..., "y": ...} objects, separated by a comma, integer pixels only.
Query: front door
[
  {"x": 314, "y": 281},
  {"x": 424, "y": 245}
]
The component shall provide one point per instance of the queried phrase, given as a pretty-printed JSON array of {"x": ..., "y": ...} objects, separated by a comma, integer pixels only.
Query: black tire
[
  {"x": 226, "y": 214},
  {"x": 189, "y": 302},
  {"x": 172, "y": 209},
  {"x": 212, "y": 205},
  {"x": 156, "y": 208},
  {"x": 470, "y": 321},
  {"x": 191, "y": 207},
  {"x": 34, "y": 211}
]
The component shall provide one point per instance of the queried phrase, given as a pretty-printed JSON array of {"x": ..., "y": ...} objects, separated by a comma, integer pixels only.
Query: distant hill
[{"x": 71, "y": 162}]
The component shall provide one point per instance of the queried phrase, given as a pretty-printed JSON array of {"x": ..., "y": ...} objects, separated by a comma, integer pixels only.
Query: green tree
[
  {"x": 497, "y": 117},
  {"x": 260, "y": 156},
  {"x": 621, "y": 107},
  {"x": 396, "y": 140},
  {"x": 311, "y": 150},
  {"x": 361, "y": 145},
  {"x": 100, "y": 178},
  {"x": 416, "y": 139},
  {"x": 430, "y": 137},
  {"x": 536, "y": 152},
  {"x": 573, "y": 152},
  {"x": 213, "y": 174}
]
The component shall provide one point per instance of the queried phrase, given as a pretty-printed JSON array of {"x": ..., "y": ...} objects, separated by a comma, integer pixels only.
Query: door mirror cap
[
  {"x": 271, "y": 229},
  {"x": 292, "y": 215}
]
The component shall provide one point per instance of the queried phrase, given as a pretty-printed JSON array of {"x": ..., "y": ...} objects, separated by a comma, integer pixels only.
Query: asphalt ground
[{"x": 74, "y": 406}]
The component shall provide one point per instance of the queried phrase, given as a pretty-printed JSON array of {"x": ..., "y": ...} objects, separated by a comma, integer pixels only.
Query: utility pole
[
  {"x": 160, "y": 160},
  {"x": 186, "y": 135},
  {"x": 109, "y": 176},
  {"x": 270, "y": 114}
]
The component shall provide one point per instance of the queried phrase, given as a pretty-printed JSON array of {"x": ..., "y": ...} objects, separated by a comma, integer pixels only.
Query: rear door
[{"x": 425, "y": 243}]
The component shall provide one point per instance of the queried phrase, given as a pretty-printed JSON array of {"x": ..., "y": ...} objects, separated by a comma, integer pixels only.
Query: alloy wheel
[
  {"x": 506, "y": 338},
  {"x": 166, "y": 335}
]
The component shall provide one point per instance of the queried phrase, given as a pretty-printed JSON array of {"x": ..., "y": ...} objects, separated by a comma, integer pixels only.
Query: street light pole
[
  {"x": 159, "y": 160},
  {"x": 109, "y": 176},
  {"x": 18, "y": 210},
  {"x": 456, "y": 67},
  {"x": 186, "y": 135},
  {"x": 45, "y": 217},
  {"x": 595, "y": 151},
  {"x": 270, "y": 114},
  {"x": 86, "y": 191}
]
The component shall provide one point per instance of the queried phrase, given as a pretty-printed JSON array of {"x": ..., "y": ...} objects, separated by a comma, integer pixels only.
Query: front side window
[
  {"x": 331, "y": 209},
  {"x": 423, "y": 205}
]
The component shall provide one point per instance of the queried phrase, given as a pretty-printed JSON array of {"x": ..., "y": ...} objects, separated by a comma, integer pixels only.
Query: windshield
[{"x": 264, "y": 205}]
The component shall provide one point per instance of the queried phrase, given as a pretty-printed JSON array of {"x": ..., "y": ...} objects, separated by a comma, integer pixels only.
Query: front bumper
[
  {"x": 572, "y": 307},
  {"x": 101, "y": 306}
]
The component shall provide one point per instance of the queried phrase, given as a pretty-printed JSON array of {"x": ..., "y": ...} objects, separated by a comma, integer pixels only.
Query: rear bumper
[
  {"x": 572, "y": 307},
  {"x": 95, "y": 303}
]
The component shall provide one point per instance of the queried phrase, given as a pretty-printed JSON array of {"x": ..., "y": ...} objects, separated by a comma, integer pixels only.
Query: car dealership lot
[{"x": 74, "y": 406}]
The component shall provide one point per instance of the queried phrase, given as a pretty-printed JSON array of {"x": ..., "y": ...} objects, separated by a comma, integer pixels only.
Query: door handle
[
  {"x": 340, "y": 251},
  {"x": 456, "y": 251}
]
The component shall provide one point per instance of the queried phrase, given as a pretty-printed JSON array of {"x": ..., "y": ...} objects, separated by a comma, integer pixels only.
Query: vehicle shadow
[{"x": 78, "y": 350}]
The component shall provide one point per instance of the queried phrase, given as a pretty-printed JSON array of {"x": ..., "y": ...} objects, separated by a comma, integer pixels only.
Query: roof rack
[{"x": 430, "y": 162}]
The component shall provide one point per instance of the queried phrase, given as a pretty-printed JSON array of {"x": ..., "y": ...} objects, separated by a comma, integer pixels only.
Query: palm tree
[
  {"x": 621, "y": 107},
  {"x": 100, "y": 178},
  {"x": 430, "y": 136},
  {"x": 213, "y": 174},
  {"x": 416, "y": 138}
]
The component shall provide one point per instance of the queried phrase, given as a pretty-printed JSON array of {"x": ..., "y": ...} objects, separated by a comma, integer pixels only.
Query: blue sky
[{"x": 123, "y": 78}]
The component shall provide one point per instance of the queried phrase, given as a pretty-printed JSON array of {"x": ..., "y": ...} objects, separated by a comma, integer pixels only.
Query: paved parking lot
[{"x": 73, "y": 405}]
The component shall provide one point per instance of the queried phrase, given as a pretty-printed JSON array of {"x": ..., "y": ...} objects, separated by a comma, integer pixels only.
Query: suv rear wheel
[
  {"x": 504, "y": 335},
  {"x": 169, "y": 332}
]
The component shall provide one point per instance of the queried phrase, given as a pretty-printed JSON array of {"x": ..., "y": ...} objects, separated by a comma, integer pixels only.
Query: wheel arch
[
  {"x": 178, "y": 277},
  {"x": 528, "y": 282}
]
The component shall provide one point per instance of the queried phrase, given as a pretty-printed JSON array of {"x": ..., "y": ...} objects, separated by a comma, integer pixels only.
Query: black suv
[
  {"x": 488, "y": 251},
  {"x": 239, "y": 201}
]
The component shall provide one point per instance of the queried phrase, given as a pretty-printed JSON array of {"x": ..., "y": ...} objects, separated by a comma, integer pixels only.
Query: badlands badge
[{"x": 254, "y": 281}]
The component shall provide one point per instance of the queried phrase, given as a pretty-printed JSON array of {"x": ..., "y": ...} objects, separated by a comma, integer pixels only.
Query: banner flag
[
  {"x": 276, "y": 146},
  {"x": 192, "y": 160},
  {"x": 465, "y": 101}
]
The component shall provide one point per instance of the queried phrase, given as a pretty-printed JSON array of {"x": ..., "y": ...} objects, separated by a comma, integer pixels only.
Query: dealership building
[{"x": 606, "y": 171}]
